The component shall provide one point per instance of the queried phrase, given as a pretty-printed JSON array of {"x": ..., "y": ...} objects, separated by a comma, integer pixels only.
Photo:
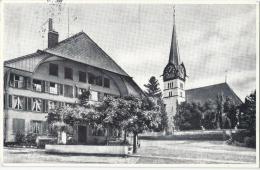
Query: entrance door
[{"x": 82, "y": 134}]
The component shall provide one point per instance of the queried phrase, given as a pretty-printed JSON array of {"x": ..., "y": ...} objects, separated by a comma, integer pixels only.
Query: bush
[
  {"x": 30, "y": 139},
  {"x": 19, "y": 137},
  {"x": 240, "y": 135},
  {"x": 250, "y": 141}
]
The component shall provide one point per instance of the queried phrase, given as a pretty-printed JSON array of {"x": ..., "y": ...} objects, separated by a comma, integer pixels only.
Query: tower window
[{"x": 181, "y": 85}]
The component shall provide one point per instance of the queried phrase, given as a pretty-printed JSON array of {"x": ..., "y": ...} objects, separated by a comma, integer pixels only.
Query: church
[{"x": 174, "y": 92}]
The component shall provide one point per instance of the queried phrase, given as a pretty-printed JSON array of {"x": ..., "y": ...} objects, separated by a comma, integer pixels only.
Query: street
[{"x": 150, "y": 152}]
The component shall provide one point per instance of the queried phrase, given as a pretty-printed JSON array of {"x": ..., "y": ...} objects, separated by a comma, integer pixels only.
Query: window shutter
[
  {"x": 76, "y": 91},
  {"x": 29, "y": 103},
  {"x": 28, "y": 83},
  {"x": 58, "y": 88},
  {"x": 10, "y": 101},
  {"x": 25, "y": 104},
  {"x": 46, "y": 87},
  {"x": 44, "y": 127},
  {"x": 61, "y": 89},
  {"x": 18, "y": 125}
]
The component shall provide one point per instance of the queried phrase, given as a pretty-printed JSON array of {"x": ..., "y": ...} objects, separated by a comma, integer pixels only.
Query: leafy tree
[
  {"x": 248, "y": 115},
  {"x": 188, "y": 116},
  {"x": 152, "y": 88},
  {"x": 208, "y": 114},
  {"x": 230, "y": 110},
  {"x": 219, "y": 111},
  {"x": 163, "y": 126}
]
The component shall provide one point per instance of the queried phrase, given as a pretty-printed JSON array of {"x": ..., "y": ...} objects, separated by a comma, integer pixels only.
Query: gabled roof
[
  {"x": 79, "y": 47},
  {"x": 202, "y": 94},
  {"x": 83, "y": 49},
  {"x": 27, "y": 62}
]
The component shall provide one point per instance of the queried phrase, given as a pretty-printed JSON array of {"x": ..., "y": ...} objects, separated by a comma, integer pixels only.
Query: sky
[{"x": 214, "y": 40}]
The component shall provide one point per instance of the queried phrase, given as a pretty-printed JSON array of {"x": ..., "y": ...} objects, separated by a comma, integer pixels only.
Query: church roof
[{"x": 202, "y": 94}]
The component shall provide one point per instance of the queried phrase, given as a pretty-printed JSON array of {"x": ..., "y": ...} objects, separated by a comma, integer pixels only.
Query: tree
[
  {"x": 208, "y": 114},
  {"x": 219, "y": 110},
  {"x": 188, "y": 116},
  {"x": 230, "y": 110},
  {"x": 152, "y": 88},
  {"x": 144, "y": 115},
  {"x": 248, "y": 113}
]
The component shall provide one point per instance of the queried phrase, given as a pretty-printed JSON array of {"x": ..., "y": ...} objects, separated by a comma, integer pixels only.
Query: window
[
  {"x": 38, "y": 127},
  {"x": 91, "y": 78},
  {"x": 94, "y": 95},
  {"x": 106, "y": 82},
  {"x": 38, "y": 85},
  {"x": 18, "y": 81},
  {"x": 98, "y": 131},
  {"x": 82, "y": 77},
  {"x": 68, "y": 73},
  {"x": 181, "y": 85},
  {"x": 68, "y": 91},
  {"x": 18, "y": 103},
  {"x": 99, "y": 81},
  {"x": 170, "y": 94},
  {"x": 53, "y": 88},
  {"x": 18, "y": 125},
  {"x": 181, "y": 94},
  {"x": 52, "y": 104},
  {"x": 37, "y": 105},
  {"x": 80, "y": 91},
  {"x": 53, "y": 69}
]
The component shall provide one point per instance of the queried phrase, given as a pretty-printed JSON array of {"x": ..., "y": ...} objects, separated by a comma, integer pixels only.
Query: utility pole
[{"x": 68, "y": 22}]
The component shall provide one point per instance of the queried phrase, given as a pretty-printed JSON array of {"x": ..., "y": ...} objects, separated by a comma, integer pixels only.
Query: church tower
[{"x": 174, "y": 76}]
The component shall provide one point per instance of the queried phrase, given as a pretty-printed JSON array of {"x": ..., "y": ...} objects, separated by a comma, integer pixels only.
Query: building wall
[{"x": 173, "y": 93}]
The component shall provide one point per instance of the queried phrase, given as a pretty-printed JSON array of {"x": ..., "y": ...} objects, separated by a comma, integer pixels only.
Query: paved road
[
  {"x": 194, "y": 152},
  {"x": 151, "y": 152}
]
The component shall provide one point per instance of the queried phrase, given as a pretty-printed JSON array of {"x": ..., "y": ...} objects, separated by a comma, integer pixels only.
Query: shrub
[
  {"x": 250, "y": 141},
  {"x": 30, "y": 139},
  {"x": 19, "y": 137}
]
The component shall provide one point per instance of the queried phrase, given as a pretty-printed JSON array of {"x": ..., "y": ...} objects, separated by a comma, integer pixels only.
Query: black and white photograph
[{"x": 160, "y": 84}]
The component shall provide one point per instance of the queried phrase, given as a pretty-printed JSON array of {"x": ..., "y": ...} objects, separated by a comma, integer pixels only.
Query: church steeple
[
  {"x": 174, "y": 69},
  {"x": 174, "y": 53}
]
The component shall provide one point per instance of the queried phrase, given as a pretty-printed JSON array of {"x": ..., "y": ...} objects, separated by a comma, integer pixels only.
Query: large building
[
  {"x": 174, "y": 76},
  {"x": 56, "y": 76}
]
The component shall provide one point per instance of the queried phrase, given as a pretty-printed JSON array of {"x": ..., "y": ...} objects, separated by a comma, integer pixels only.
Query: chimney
[{"x": 53, "y": 36}]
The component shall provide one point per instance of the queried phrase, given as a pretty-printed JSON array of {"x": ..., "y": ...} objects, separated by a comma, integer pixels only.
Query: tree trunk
[
  {"x": 135, "y": 143},
  {"x": 125, "y": 137}
]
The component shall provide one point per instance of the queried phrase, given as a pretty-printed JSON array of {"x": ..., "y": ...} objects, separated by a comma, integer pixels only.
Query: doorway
[{"x": 82, "y": 134}]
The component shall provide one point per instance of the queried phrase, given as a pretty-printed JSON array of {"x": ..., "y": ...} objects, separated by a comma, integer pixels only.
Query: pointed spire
[{"x": 174, "y": 53}]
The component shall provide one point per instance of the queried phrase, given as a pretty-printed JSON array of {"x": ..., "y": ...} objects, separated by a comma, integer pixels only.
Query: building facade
[{"x": 56, "y": 76}]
